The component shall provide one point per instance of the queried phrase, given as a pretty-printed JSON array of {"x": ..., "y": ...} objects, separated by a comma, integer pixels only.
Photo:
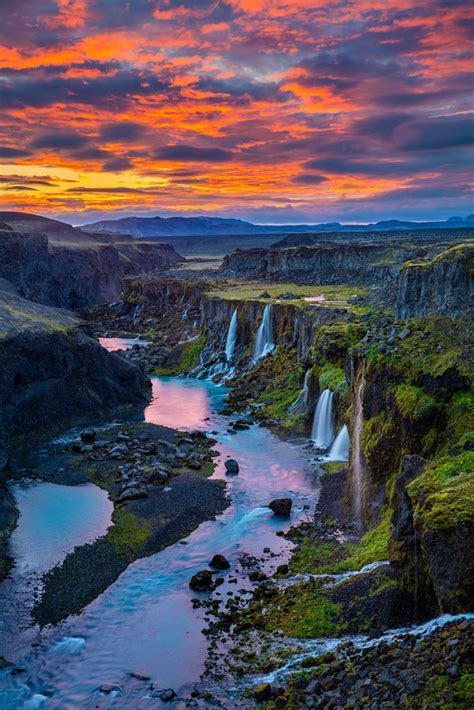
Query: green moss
[
  {"x": 333, "y": 378},
  {"x": 464, "y": 691},
  {"x": 188, "y": 360},
  {"x": 333, "y": 557},
  {"x": 413, "y": 402},
  {"x": 128, "y": 533},
  {"x": 380, "y": 443},
  {"x": 333, "y": 466},
  {"x": 461, "y": 414},
  {"x": 443, "y": 495},
  {"x": 307, "y": 614},
  {"x": 435, "y": 691}
]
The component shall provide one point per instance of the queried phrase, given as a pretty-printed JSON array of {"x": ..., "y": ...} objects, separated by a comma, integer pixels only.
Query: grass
[
  {"x": 188, "y": 360},
  {"x": 128, "y": 533},
  {"x": 308, "y": 614},
  {"x": 334, "y": 296},
  {"x": 334, "y": 557}
]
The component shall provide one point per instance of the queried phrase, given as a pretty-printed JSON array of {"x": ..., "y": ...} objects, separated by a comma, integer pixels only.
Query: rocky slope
[
  {"x": 53, "y": 263},
  {"x": 53, "y": 373},
  {"x": 442, "y": 285}
]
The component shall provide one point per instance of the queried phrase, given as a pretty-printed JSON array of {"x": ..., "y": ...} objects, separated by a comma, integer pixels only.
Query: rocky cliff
[
  {"x": 442, "y": 285},
  {"x": 53, "y": 374},
  {"x": 58, "y": 265},
  {"x": 360, "y": 263}
]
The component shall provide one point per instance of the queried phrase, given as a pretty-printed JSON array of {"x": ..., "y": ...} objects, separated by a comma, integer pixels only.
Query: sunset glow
[{"x": 268, "y": 110}]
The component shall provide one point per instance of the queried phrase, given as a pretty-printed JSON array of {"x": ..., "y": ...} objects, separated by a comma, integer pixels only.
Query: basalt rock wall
[
  {"x": 75, "y": 274},
  {"x": 320, "y": 264},
  {"x": 443, "y": 285}
]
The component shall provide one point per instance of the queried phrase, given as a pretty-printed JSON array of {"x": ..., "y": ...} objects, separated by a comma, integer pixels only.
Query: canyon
[{"x": 338, "y": 375}]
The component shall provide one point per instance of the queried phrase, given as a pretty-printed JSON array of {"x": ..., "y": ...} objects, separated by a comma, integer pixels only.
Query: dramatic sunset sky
[{"x": 268, "y": 110}]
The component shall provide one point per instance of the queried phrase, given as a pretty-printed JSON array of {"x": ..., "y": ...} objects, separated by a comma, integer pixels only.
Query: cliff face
[
  {"x": 61, "y": 272},
  {"x": 442, "y": 285},
  {"x": 320, "y": 264},
  {"x": 53, "y": 374}
]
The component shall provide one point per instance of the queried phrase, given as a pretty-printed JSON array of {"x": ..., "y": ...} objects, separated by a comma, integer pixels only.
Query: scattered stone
[
  {"x": 220, "y": 562},
  {"x": 167, "y": 695},
  {"x": 202, "y": 581},
  {"x": 263, "y": 692},
  {"x": 281, "y": 506},
  {"x": 231, "y": 466}
]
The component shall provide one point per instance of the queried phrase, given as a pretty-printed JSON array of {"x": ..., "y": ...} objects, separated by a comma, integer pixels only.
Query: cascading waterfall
[
  {"x": 323, "y": 423},
  {"x": 264, "y": 340},
  {"x": 356, "y": 457},
  {"x": 231, "y": 337},
  {"x": 340, "y": 448}
]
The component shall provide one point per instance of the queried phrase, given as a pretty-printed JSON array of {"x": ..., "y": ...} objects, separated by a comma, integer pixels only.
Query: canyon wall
[
  {"x": 442, "y": 285},
  {"x": 74, "y": 274},
  {"x": 53, "y": 374}
]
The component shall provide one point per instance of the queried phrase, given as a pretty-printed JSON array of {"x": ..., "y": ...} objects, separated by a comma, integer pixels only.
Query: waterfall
[
  {"x": 323, "y": 425},
  {"x": 231, "y": 337},
  {"x": 340, "y": 448},
  {"x": 264, "y": 340},
  {"x": 356, "y": 457},
  {"x": 301, "y": 402}
]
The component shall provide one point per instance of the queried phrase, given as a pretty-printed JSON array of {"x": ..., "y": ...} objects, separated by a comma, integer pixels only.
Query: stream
[{"x": 144, "y": 624}]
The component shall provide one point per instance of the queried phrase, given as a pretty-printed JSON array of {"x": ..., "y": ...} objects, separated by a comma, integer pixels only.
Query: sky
[{"x": 267, "y": 110}]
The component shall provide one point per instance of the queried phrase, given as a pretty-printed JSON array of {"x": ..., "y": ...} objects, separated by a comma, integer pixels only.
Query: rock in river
[
  {"x": 201, "y": 581},
  {"x": 281, "y": 506},
  {"x": 219, "y": 562},
  {"x": 231, "y": 466}
]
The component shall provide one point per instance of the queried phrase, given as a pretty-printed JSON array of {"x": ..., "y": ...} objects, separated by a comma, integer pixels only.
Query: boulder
[
  {"x": 220, "y": 562},
  {"x": 282, "y": 569},
  {"x": 88, "y": 436},
  {"x": 202, "y": 581},
  {"x": 231, "y": 466},
  {"x": 281, "y": 506}
]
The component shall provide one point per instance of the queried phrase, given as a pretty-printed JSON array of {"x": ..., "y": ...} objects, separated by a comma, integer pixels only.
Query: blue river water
[{"x": 144, "y": 624}]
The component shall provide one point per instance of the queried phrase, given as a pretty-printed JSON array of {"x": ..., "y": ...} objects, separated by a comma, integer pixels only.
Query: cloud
[
  {"x": 65, "y": 140},
  {"x": 185, "y": 153},
  {"x": 309, "y": 179},
  {"x": 6, "y": 152}
]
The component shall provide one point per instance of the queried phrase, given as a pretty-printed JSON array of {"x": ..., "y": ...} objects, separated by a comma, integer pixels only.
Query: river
[{"x": 144, "y": 624}]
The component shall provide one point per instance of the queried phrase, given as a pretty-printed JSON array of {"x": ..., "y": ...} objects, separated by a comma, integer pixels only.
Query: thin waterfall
[
  {"x": 340, "y": 448},
  {"x": 231, "y": 337},
  {"x": 264, "y": 339},
  {"x": 323, "y": 423},
  {"x": 301, "y": 402},
  {"x": 356, "y": 457}
]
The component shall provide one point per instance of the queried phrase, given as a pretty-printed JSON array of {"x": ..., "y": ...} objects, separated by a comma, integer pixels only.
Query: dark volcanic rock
[
  {"x": 443, "y": 285},
  {"x": 202, "y": 581},
  {"x": 51, "y": 262},
  {"x": 231, "y": 466},
  {"x": 53, "y": 374},
  {"x": 281, "y": 506},
  {"x": 219, "y": 562}
]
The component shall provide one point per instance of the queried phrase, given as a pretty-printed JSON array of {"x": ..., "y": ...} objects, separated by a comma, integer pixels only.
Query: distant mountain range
[{"x": 216, "y": 226}]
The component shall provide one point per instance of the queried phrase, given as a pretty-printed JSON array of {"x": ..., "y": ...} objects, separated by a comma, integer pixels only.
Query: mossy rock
[{"x": 380, "y": 443}]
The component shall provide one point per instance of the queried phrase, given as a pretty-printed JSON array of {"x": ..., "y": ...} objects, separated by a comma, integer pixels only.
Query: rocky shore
[{"x": 158, "y": 481}]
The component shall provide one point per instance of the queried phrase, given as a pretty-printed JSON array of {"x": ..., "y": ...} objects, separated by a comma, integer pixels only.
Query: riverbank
[{"x": 158, "y": 481}]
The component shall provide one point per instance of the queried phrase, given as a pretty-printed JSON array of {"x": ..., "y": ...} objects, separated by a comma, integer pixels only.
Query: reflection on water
[
  {"x": 183, "y": 403},
  {"x": 114, "y": 344},
  {"x": 145, "y": 623},
  {"x": 54, "y": 519}
]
